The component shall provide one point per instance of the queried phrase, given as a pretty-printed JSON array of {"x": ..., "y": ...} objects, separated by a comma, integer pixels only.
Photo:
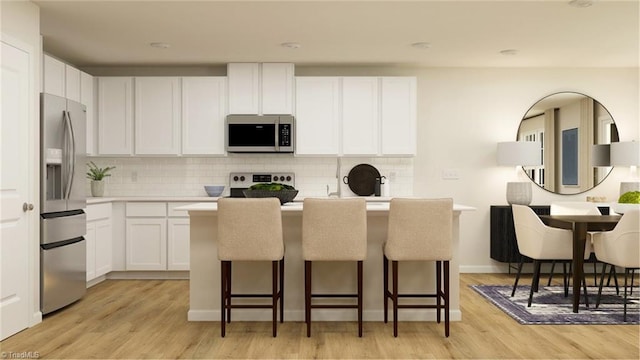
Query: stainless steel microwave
[{"x": 260, "y": 133}]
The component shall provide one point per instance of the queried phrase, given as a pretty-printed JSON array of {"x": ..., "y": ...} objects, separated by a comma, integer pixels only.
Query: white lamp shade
[
  {"x": 519, "y": 153},
  {"x": 600, "y": 155},
  {"x": 625, "y": 153}
]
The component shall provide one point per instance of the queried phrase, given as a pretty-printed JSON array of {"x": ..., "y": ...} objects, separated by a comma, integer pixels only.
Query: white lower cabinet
[
  {"x": 178, "y": 244},
  {"x": 99, "y": 240},
  {"x": 156, "y": 239}
]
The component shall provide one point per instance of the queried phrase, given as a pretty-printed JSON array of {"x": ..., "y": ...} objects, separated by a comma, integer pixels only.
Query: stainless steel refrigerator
[{"x": 63, "y": 263}]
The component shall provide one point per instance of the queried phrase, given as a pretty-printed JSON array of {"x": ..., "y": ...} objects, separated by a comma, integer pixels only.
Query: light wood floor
[{"x": 120, "y": 319}]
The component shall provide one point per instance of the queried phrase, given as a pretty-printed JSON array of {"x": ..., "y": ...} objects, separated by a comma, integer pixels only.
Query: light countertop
[
  {"x": 195, "y": 199},
  {"x": 372, "y": 206}
]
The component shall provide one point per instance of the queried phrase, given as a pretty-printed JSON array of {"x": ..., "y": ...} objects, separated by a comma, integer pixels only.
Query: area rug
[{"x": 550, "y": 306}]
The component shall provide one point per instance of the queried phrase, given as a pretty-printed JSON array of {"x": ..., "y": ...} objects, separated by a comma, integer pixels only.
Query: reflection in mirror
[{"x": 567, "y": 125}]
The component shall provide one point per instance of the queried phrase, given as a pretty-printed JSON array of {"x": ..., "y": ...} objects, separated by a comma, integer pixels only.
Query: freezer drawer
[
  {"x": 60, "y": 226},
  {"x": 63, "y": 273}
]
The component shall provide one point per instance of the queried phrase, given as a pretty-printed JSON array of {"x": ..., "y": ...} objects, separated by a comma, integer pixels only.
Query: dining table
[{"x": 580, "y": 225}]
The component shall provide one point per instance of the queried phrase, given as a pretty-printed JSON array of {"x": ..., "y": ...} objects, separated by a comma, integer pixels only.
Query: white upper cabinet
[
  {"x": 157, "y": 115},
  {"x": 260, "y": 88},
  {"x": 87, "y": 98},
  {"x": 72, "y": 83},
  {"x": 115, "y": 116},
  {"x": 53, "y": 76},
  {"x": 356, "y": 116},
  {"x": 204, "y": 102},
  {"x": 277, "y": 88},
  {"x": 360, "y": 131},
  {"x": 398, "y": 115},
  {"x": 317, "y": 115},
  {"x": 244, "y": 88}
]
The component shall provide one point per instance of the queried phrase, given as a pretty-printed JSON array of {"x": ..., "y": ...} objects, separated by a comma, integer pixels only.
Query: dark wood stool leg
[
  {"x": 553, "y": 266},
  {"x": 385, "y": 286},
  {"x": 274, "y": 297},
  {"x": 281, "y": 295},
  {"x": 307, "y": 296},
  {"x": 446, "y": 298},
  {"x": 223, "y": 297},
  {"x": 438, "y": 290},
  {"x": 394, "y": 298},
  {"x": 360, "y": 298},
  {"x": 229, "y": 292}
]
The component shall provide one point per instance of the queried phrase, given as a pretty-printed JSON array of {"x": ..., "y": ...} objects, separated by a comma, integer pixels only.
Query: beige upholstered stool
[
  {"x": 250, "y": 230},
  {"x": 333, "y": 230},
  {"x": 419, "y": 229}
]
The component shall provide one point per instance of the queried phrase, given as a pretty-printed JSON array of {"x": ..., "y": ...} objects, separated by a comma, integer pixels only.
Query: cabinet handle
[{"x": 27, "y": 207}]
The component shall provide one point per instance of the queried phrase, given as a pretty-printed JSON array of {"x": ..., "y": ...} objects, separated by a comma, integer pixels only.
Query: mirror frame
[{"x": 575, "y": 121}]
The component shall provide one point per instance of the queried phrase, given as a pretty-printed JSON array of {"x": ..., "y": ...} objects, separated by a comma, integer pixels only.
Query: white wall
[{"x": 21, "y": 21}]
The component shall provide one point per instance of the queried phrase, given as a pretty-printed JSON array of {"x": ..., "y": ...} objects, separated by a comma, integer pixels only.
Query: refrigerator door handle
[
  {"x": 68, "y": 134},
  {"x": 72, "y": 155}
]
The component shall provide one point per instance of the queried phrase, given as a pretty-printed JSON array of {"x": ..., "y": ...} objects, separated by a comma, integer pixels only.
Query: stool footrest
[
  {"x": 333, "y": 306},
  {"x": 251, "y": 295},
  {"x": 334, "y": 295}
]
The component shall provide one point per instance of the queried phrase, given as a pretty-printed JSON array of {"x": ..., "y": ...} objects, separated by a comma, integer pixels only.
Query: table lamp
[
  {"x": 519, "y": 153},
  {"x": 627, "y": 153}
]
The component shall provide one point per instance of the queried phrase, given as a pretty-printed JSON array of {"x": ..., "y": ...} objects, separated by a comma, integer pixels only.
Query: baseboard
[
  {"x": 484, "y": 269},
  {"x": 321, "y": 315},
  {"x": 96, "y": 281},
  {"x": 148, "y": 275},
  {"x": 36, "y": 318}
]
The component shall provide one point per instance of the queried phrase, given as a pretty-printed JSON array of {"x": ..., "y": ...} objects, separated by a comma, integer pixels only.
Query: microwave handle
[{"x": 277, "y": 135}]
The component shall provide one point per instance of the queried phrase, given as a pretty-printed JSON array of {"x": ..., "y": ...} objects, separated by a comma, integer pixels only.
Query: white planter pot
[{"x": 97, "y": 188}]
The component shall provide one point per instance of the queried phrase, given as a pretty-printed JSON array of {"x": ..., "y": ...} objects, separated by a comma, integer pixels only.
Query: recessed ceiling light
[
  {"x": 421, "y": 45},
  {"x": 581, "y": 3},
  {"x": 160, "y": 45},
  {"x": 509, "y": 52},
  {"x": 291, "y": 45}
]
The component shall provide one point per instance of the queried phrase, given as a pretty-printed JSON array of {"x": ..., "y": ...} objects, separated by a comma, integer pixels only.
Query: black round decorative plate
[{"x": 362, "y": 179}]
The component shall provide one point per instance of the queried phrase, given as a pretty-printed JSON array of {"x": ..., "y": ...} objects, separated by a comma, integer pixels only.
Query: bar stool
[
  {"x": 419, "y": 229},
  {"x": 333, "y": 230},
  {"x": 250, "y": 230}
]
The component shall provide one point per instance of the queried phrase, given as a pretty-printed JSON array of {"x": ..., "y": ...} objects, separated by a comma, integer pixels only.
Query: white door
[
  {"x": 14, "y": 226},
  {"x": 317, "y": 115},
  {"x": 360, "y": 115}
]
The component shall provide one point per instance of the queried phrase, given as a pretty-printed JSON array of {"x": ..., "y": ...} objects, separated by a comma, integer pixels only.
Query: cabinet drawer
[
  {"x": 146, "y": 209},
  {"x": 98, "y": 211},
  {"x": 177, "y": 213}
]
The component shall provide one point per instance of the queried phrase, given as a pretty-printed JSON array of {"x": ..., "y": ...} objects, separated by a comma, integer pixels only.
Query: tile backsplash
[{"x": 186, "y": 176}]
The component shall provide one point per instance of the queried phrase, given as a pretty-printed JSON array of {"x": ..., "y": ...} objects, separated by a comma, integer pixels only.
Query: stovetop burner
[{"x": 242, "y": 181}]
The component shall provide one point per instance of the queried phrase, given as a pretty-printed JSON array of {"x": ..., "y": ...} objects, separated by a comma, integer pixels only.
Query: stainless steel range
[{"x": 242, "y": 181}]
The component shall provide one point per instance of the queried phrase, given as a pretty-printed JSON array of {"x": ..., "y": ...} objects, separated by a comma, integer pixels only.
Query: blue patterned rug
[{"x": 549, "y": 305}]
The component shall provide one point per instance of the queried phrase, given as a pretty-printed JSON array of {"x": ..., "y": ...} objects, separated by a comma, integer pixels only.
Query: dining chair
[
  {"x": 250, "y": 230},
  {"x": 619, "y": 247},
  {"x": 541, "y": 243},
  {"x": 419, "y": 230},
  {"x": 333, "y": 230}
]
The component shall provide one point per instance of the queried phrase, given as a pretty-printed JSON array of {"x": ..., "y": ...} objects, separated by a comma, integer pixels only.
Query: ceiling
[{"x": 459, "y": 33}]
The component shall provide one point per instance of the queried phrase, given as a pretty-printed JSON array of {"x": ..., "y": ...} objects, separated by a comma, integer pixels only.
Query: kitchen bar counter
[
  {"x": 194, "y": 199},
  {"x": 204, "y": 287}
]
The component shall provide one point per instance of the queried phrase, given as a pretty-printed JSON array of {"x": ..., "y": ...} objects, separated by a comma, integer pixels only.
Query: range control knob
[
  {"x": 242, "y": 178},
  {"x": 235, "y": 178},
  {"x": 289, "y": 178},
  {"x": 276, "y": 178}
]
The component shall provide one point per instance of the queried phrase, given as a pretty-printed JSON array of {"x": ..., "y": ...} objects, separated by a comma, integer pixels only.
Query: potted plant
[{"x": 96, "y": 175}]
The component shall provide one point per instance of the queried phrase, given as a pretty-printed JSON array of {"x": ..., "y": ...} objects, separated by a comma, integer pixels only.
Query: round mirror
[{"x": 568, "y": 125}]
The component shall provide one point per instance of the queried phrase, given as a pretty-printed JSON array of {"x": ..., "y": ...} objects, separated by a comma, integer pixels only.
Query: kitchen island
[{"x": 204, "y": 287}]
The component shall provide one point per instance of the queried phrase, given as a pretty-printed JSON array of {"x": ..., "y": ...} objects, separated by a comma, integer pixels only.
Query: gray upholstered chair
[
  {"x": 333, "y": 230},
  {"x": 250, "y": 230},
  {"x": 619, "y": 247},
  {"x": 419, "y": 229}
]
